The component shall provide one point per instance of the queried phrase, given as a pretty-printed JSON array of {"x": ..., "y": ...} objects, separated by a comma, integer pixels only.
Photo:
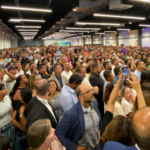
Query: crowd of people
[{"x": 75, "y": 98}]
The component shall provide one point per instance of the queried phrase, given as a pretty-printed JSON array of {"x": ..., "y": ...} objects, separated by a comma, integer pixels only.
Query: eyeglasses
[{"x": 88, "y": 92}]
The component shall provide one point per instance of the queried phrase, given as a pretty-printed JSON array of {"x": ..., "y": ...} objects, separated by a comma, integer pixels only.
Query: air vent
[{"x": 118, "y": 5}]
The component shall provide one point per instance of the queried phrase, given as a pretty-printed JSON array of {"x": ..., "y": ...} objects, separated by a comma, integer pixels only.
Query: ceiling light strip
[
  {"x": 144, "y": 25},
  {"x": 110, "y": 31},
  {"x": 95, "y": 23},
  {"x": 72, "y": 31},
  {"x": 28, "y": 26},
  {"x": 26, "y": 20},
  {"x": 74, "y": 28},
  {"x": 26, "y": 9},
  {"x": 118, "y": 16},
  {"x": 26, "y": 30},
  {"x": 100, "y": 33},
  {"x": 121, "y": 29}
]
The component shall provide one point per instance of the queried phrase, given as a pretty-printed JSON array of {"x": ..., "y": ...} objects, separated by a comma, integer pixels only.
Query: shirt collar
[
  {"x": 138, "y": 71},
  {"x": 70, "y": 89},
  {"x": 87, "y": 110},
  {"x": 42, "y": 100},
  {"x": 137, "y": 147},
  {"x": 95, "y": 74},
  {"x": 107, "y": 82},
  {"x": 57, "y": 77}
]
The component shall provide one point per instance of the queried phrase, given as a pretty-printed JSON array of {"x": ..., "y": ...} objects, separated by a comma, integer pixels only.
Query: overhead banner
[{"x": 62, "y": 43}]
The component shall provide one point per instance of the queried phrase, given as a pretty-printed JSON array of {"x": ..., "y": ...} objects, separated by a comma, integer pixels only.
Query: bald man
[
  {"x": 39, "y": 108},
  {"x": 141, "y": 132},
  {"x": 81, "y": 122}
]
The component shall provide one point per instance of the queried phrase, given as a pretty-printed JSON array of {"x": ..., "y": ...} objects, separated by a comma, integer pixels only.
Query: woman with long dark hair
[
  {"x": 21, "y": 82},
  {"x": 18, "y": 119},
  {"x": 32, "y": 83}
]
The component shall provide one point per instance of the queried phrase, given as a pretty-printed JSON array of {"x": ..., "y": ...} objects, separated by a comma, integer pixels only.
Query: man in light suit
[
  {"x": 79, "y": 128},
  {"x": 141, "y": 132},
  {"x": 60, "y": 79}
]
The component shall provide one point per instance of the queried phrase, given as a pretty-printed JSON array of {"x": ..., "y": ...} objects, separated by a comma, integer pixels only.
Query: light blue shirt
[
  {"x": 58, "y": 54},
  {"x": 137, "y": 74},
  {"x": 67, "y": 100},
  {"x": 30, "y": 56}
]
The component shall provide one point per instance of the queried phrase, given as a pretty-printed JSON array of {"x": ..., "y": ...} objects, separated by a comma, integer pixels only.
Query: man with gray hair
[{"x": 39, "y": 107}]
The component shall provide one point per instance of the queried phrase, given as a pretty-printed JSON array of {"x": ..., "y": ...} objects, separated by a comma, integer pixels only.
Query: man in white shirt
[
  {"x": 31, "y": 65},
  {"x": 107, "y": 66},
  {"x": 7, "y": 59},
  {"x": 18, "y": 69},
  {"x": 84, "y": 61},
  {"x": 109, "y": 77},
  {"x": 114, "y": 63},
  {"x": 67, "y": 72},
  {"x": 37, "y": 59}
]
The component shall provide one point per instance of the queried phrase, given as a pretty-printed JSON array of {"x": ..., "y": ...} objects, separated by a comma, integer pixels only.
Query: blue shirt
[
  {"x": 30, "y": 56},
  {"x": 67, "y": 100},
  {"x": 58, "y": 54},
  {"x": 116, "y": 78},
  {"x": 60, "y": 81},
  {"x": 137, "y": 74}
]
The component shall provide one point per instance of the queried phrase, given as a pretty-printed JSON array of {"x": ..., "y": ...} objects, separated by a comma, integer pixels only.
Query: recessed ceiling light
[
  {"x": 25, "y": 20},
  {"x": 118, "y": 16},
  {"x": 96, "y": 23},
  {"x": 74, "y": 9},
  {"x": 144, "y": 25},
  {"x": 26, "y": 9},
  {"x": 53, "y": 26},
  {"x": 130, "y": 22},
  {"x": 62, "y": 19},
  {"x": 28, "y": 26}
]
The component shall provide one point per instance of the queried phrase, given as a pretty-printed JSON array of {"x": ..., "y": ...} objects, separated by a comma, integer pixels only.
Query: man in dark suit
[
  {"x": 79, "y": 129},
  {"x": 96, "y": 80},
  {"x": 140, "y": 127},
  {"x": 39, "y": 108}
]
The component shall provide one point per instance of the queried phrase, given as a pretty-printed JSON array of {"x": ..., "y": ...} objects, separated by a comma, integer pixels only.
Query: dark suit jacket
[
  {"x": 71, "y": 128},
  {"x": 117, "y": 146},
  {"x": 37, "y": 110},
  {"x": 96, "y": 80}
]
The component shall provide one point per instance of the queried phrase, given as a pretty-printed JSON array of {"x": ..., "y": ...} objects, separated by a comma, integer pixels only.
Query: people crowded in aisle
[{"x": 75, "y": 98}]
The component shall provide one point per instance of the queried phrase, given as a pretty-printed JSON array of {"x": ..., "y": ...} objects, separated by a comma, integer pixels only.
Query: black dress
[{"x": 18, "y": 131}]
